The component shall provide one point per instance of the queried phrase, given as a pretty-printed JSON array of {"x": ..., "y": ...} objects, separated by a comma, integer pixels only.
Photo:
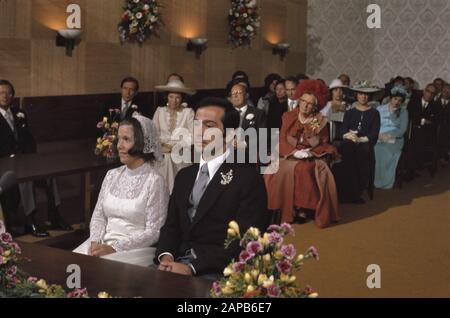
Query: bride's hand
[{"x": 102, "y": 250}]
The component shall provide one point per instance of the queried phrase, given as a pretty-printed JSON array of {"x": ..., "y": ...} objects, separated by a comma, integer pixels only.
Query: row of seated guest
[{"x": 15, "y": 139}]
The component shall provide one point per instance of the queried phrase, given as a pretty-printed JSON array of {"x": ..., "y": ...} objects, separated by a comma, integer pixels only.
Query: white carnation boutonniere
[
  {"x": 134, "y": 107},
  {"x": 227, "y": 178},
  {"x": 250, "y": 117},
  {"x": 20, "y": 115}
]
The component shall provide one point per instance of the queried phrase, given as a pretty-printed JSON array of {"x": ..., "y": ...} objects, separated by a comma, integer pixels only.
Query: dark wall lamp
[
  {"x": 68, "y": 38},
  {"x": 281, "y": 49},
  {"x": 198, "y": 45}
]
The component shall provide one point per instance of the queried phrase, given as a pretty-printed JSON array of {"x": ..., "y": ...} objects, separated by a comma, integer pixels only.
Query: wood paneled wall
[{"x": 31, "y": 60}]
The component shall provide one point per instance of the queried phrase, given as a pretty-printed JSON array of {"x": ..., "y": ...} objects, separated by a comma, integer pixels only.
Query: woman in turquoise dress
[{"x": 394, "y": 123}]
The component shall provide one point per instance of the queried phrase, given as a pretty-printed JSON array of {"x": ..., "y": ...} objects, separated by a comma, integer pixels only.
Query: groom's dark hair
[{"x": 230, "y": 119}]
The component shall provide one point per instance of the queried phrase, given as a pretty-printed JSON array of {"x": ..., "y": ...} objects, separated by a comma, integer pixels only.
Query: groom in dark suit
[{"x": 206, "y": 198}]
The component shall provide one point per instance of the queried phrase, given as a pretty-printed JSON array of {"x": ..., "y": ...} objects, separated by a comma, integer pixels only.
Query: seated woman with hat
[
  {"x": 394, "y": 123},
  {"x": 361, "y": 128},
  {"x": 335, "y": 109},
  {"x": 304, "y": 182},
  {"x": 169, "y": 121}
]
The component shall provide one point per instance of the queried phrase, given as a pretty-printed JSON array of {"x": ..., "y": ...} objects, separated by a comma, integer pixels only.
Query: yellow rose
[
  {"x": 264, "y": 240},
  {"x": 266, "y": 258},
  {"x": 262, "y": 278},
  {"x": 300, "y": 257},
  {"x": 105, "y": 120},
  {"x": 313, "y": 295},
  {"x": 248, "y": 278},
  {"x": 231, "y": 233},
  {"x": 278, "y": 255},
  {"x": 233, "y": 225},
  {"x": 103, "y": 295},
  {"x": 268, "y": 282},
  {"x": 255, "y": 273},
  {"x": 227, "y": 272},
  {"x": 107, "y": 126},
  {"x": 250, "y": 289},
  {"x": 254, "y": 232},
  {"x": 42, "y": 284},
  {"x": 227, "y": 291},
  {"x": 7, "y": 253}
]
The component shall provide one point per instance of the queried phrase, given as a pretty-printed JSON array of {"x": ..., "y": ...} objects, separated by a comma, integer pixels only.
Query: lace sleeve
[
  {"x": 156, "y": 211},
  {"x": 98, "y": 220}
]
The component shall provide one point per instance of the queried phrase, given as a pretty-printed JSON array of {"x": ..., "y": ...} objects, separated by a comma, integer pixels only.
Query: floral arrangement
[
  {"x": 109, "y": 126},
  {"x": 140, "y": 20},
  {"x": 14, "y": 282},
  {"x": 244, "y": 21},
  {"x": 265, "y": 267}
]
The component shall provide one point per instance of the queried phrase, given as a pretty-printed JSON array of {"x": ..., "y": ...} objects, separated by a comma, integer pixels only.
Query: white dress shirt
[{"x": 292, "y": 104}]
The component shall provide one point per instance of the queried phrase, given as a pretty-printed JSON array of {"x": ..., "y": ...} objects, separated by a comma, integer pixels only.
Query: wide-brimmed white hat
[
  {"x": 365, "y": 87},
  {"x": 337, "y": 83},
  {"x": 175, "y": 86}
]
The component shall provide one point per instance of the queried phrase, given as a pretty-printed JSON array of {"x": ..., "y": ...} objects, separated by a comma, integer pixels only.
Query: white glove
[
  {"x": 302, "y": 154},
  {"x": 363, "y": 140}
]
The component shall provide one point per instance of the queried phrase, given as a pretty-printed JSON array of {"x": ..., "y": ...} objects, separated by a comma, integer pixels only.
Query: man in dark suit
[
  {"x": 206, "y": 198},
  {"x": 128, "y": 102},
  {"x": 444, "y": 124},
  {"x": 424, "y": 115},
  {"x": 250, "y": 118},
  {"x": 16, "y": 139}
]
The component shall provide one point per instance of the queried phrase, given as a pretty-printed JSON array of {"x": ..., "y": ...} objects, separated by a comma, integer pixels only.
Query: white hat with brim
[
  {"x": 337, "y": 83},
  {"x": 365, "y": 87},
  {"x": 175, "y": 86}
]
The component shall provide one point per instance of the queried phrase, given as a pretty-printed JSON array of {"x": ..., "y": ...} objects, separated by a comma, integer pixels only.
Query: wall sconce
[
  {"x": 281, "y": 49},
  {"x": 68, "y": 38},
  {"x": 198, "y": 45}
]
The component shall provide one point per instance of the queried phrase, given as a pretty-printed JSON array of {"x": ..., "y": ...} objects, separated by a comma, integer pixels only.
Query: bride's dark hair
[{"x": 138, "y": 148}]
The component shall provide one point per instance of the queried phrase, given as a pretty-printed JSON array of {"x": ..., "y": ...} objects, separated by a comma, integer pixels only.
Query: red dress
[{"x": 306, "y": 183}]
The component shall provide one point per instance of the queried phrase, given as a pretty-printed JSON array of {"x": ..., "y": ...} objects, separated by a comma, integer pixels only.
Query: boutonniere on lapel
[
  {"x": 134, "y": 107},
  {"x": 20, "y": 115},
  {"x": 250, "y": 118},
  {"x": 226, "y": 178}
]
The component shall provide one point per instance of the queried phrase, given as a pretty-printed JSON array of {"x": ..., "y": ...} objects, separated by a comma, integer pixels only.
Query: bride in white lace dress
[{"x": 132, "y": 205}]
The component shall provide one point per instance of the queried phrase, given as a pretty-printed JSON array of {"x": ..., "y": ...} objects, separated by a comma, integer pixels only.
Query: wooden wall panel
[
  {"x": 15, "y": 64},
  {"x": 106, "y": 65},
  {"x": 54, "y": 73},
  {"x": 14, "y": 19},
  {"x": 31, "y": 60}
]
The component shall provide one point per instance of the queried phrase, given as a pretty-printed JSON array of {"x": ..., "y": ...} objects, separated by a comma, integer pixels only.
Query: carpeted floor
[{"x": 404, "y": 231}]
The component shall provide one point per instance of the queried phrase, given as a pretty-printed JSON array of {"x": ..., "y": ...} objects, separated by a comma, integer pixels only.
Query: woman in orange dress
[{"x": 304, "y": 181}]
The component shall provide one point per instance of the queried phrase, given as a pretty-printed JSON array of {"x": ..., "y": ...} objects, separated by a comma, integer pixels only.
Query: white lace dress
[
  {"x": 169, "y": 125},
  {"x": 131, "y": 209}
]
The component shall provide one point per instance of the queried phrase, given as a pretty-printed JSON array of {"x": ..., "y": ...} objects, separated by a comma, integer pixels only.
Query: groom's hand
[
  {"x": 165, "y": 263},
  {"x": 182, "y": 269}
]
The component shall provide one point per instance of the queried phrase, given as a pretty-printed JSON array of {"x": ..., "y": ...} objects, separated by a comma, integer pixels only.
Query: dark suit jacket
[
  {"x": 258, "y": 120},
  {"x": 244, "y": 200},
  {"x": 21, "y": 142},
  {"x": 416, "y": 111},
  {"x": 116, "y": 103}
]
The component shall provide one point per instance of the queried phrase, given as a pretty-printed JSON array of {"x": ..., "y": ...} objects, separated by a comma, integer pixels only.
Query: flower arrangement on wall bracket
[
  {"x": 266, "y": 265},
  {"x": 141, "y": 19},
  {"x": 15, "y": 283},
  {"x": 244, "y": 22}
]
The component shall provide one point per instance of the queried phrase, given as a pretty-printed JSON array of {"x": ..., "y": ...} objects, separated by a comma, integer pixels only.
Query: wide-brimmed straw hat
[{"x": 175, "y": 86}]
